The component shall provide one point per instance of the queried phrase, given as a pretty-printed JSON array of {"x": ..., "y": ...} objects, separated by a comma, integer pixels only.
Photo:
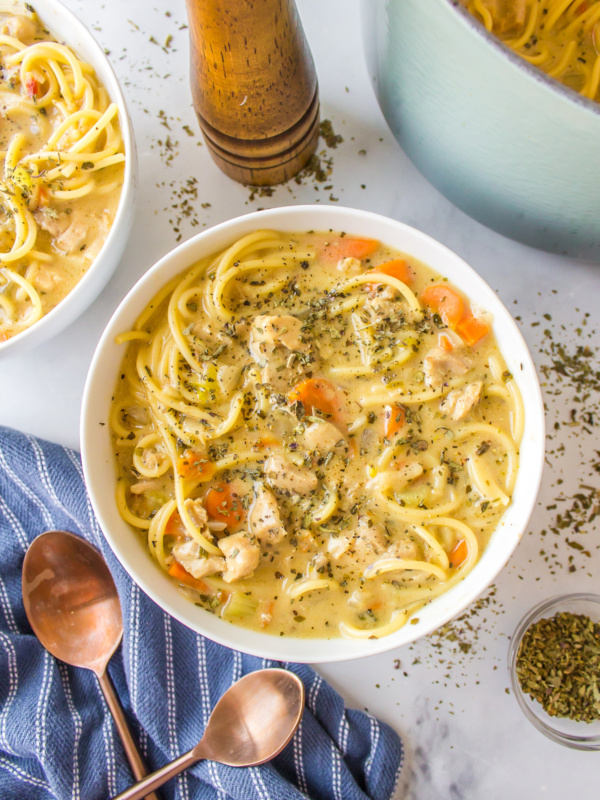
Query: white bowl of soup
[
  {"x": 68, "y": 172},
  {"x": 502, "y": 139},
  {"x": 312, "y": 433}
]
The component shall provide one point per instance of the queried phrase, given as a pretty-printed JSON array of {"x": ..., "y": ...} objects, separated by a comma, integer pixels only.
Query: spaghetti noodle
[{"x": 322, "y": 458}]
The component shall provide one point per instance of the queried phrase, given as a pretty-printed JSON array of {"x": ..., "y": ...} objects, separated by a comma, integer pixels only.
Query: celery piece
[
  {"x": 156, "y": 499},
  {"x": 239, "y": 605},
  {"x": 413, "y": 498}
]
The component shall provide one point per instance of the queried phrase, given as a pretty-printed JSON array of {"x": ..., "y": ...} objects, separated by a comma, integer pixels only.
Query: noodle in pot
[{"x": 560, "y": 37}]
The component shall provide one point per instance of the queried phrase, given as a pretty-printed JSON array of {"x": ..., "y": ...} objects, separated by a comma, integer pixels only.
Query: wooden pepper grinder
[{"x": 254, "y": 87}]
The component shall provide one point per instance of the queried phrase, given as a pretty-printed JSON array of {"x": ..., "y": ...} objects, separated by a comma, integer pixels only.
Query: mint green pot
[{"x": 509, "y": 146}]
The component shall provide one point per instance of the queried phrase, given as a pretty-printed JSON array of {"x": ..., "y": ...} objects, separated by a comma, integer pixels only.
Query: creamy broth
[
  {"x": 62, "y": 170},
  {"x": 315, "y": 434}
]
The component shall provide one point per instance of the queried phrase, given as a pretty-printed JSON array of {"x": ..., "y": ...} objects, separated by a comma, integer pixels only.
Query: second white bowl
[{"x": 66, "y": 28}]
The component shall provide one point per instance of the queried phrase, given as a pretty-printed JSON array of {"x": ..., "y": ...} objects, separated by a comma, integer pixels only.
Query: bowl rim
[
  {"x": 94, "y": 53},
  {"x": 95, "y": 435},
  {"x": 543, "y": 722},
  {"x": 510, "y": 55}
]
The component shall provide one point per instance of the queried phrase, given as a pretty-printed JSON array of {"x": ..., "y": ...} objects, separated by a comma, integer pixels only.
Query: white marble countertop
[{"x": 464, "y": 733}]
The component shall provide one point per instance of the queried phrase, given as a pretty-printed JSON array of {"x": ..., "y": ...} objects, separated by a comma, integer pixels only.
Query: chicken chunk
[
  {"x": 273, "y": 343},
  {"x": 268, "y": 332},
  {"x": 318, "y": 563},
  {"x": 51, "y": 221},
  {"x": 338, "y": 545},
  {"x": 362, "y": 599},
  {"x": 276, "y": 375},
  {"x": 350, "y": 266},
  {"x": 364, "y": 544},
  {"x": 264, "y": 519},
  {"x": 189, "y": 556},
  {"x": 382, "y": 292},
  {"x": 47, "y": 279},
  {"x": 73, "y": 238},
  {"x": 152, "y": 485},
  {"x": 440, "y": 366},
  {"x": 368, "y": 541},
  {"x": 102, "y": 226},
  {"x": 388, "y": 313},
  {"x": 407, "y": 549},
  {"x": 68, "y": 231},
  {"x": 228, "y": 376},
  {"x": 396, "y": 479},
  {"x": 283, "y": 475},
  {"x": 439, "y": 480},
  {"x": 197, "y": 512},
  {"x": 322, "y": 436},
  {"x": 152, "y": 459},
  {"x": 383, "y": 305},
  {"x": 242, "y": 554},
  {"x": 206, "y": 329},
  {"x": 459, "y": 402},
  {"x": 306, "y": 541},
  {"x": 20, "y": 27}
]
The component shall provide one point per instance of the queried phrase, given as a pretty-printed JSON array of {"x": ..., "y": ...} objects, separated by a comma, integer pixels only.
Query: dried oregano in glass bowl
[
  {"x": 554, "y": 662},
  {"x": 558, "y": 664}
]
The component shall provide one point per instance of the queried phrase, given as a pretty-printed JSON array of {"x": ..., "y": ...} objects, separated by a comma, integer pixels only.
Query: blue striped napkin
[{"x": 57, "y": 738}]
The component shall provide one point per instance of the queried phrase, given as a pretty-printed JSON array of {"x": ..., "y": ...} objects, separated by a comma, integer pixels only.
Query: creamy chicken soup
[
  {"x": 316, "y": 435},
  {"x": 62, "y": 170}
]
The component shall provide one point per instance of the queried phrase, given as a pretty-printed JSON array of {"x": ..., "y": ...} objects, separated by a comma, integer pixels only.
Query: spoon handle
[
  {"x": 162, "y": 775},
  {"x": 138, "y": 768}
]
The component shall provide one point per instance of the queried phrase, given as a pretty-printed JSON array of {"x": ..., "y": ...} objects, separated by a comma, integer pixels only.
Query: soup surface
[
  {"x": 62, "y": 170},
  {"x": 315, "y": 434},
  {"x": 561, "y": 37}
]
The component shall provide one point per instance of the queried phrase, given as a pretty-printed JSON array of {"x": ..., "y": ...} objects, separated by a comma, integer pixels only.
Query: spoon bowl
[
  {"x": 72, "y": 604},
  {"x": 71, "y": 600},
  {"x": 252, "y": 722}
]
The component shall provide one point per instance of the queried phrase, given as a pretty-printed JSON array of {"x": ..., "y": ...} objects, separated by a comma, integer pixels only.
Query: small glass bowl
[{"x": 579, "y": 735}]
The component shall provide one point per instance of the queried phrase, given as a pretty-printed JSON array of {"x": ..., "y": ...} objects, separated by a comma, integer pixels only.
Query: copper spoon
[
  {"x": 72, "y": 605},
  {"x": 252, "y": 722}
]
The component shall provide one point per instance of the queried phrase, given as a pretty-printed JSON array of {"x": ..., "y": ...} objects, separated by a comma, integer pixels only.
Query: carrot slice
[
  {"x": 175, "y": 526},
  {"x": 223, "y": 504},
  {"x": 266, "y": 613},
  {"x": 42, "y": 196},
  {"x": 319, "y": 394},
  {"x": 350, "y": 247},
  {"x": 32, "y": 86},
  {"x": 347, "y": 247},
  {"x": 268, "y": 442},
  {"x": 445, "y": 342},
  {"x": 459, "y": 554},
  {"x": 446, "y": 302},
  {"x": 394, "y": 418},
  {"x": 195, "y": 466},
  {"x": 177, "y": 571},
  {"x": 472, "y": 329},
  {"x": 398, "y": 268}
]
